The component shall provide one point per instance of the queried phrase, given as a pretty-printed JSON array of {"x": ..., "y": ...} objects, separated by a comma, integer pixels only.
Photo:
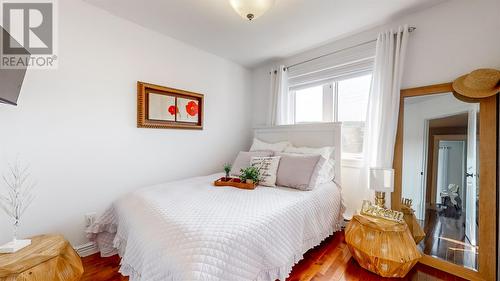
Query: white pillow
[
  {"x": 242, "y": 161},
  {"x": 259, "y": 145},
  {"x": 326, "y": 151},
  {"x": 323, "y": 173},
  {"x": 268, "y": 168},
  {"x": 325, "y": 169}
]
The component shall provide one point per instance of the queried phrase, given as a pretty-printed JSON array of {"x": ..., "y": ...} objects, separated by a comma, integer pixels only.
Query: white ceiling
[{"x": 289, "y": 27}]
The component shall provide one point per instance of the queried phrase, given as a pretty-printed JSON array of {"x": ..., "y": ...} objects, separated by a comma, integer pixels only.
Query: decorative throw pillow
[
  {"x": 276, "y": 147},
  {"x": 295, "y": 171},
  {"x": 268, "y": 167},
  {"x": 243, "y": 160}
]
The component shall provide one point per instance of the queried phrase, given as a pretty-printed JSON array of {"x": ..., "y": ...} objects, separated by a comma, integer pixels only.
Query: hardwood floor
[
  {"x": 329, "y": 261},
  {"x": 446, "y": 238}
]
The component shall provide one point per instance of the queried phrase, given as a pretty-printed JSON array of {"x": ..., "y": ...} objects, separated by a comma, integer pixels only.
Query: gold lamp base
[{"x": 380, "y": 199}]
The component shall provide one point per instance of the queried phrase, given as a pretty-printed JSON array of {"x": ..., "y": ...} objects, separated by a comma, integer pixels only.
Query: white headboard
[{"x": 312, "y": 135}]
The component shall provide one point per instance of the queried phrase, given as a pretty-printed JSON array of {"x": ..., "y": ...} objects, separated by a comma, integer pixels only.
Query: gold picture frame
[{"x": 162, "y": 107}]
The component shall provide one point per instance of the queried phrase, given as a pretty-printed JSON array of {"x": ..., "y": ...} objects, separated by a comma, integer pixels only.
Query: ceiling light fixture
[{"x": 251, "y": 9}]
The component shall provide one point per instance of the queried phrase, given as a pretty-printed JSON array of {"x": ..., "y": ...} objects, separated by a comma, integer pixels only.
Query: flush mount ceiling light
[{"x": 251, "y": 9}]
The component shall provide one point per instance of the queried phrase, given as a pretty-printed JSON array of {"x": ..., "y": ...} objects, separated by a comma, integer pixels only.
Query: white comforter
[{"x": 192, "y": 230}]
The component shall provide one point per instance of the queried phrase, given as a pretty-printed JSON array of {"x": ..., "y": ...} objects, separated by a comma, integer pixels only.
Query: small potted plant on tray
[
  {"x": 227, "y": 169},
  {"x": 250, "y": 175}
]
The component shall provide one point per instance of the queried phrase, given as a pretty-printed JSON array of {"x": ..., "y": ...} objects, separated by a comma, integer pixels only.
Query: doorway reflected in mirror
[{"x": 440, "y": 174}]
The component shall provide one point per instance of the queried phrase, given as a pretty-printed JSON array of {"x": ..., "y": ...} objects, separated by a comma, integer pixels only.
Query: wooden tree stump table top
[
  {"x": 49, "y": 257},
  {"x": 384, "y": 247}
]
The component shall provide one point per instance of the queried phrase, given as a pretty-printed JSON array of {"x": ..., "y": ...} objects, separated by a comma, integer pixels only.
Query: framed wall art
[{"x": 164, "y": 108}]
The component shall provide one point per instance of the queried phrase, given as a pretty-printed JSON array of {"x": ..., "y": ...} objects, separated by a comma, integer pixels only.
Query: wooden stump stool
[
  {"x": 384, "y": 247},
  {"x": 49, "y": 257}
]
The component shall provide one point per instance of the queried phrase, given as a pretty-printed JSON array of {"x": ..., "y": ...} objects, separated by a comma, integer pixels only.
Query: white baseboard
[{"x": 86, "y": 249}]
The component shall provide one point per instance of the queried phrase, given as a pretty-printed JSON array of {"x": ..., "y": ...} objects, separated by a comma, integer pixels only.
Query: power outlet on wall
[{"x": 90, "y": 218}]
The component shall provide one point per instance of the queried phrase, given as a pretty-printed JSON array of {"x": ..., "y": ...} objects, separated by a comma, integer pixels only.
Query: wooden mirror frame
[{"x": 488, "y": 119}]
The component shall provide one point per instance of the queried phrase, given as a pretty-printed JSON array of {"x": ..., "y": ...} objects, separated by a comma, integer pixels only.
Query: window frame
[
  {"x": 330, "y": 108},
  {"x": 326, "y": 96}
]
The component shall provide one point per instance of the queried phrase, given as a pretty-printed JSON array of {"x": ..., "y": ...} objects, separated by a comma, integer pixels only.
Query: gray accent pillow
[
  {"x": 242, "y": 161},
  {"x": 295, "y": 171},
  {"x": 326, "y": 171}
]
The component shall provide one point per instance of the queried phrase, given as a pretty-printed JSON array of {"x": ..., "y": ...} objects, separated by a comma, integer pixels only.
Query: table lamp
[{"x": 382, "y": 181}]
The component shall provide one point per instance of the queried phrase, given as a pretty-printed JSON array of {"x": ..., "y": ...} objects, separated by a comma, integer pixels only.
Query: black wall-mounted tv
[{"x": 11, "y": 80}]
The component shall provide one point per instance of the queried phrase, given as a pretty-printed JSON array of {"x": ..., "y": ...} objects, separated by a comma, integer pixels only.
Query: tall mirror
[
  {"x": 441, "y": 154},
  {"x": 440, "y": 163}
]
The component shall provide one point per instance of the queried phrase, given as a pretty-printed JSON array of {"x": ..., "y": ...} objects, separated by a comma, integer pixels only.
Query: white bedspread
[{"x": 192, "y": 230}]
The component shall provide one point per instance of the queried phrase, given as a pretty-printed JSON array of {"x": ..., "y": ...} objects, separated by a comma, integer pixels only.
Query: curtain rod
[{"x": 410, "y": 29}]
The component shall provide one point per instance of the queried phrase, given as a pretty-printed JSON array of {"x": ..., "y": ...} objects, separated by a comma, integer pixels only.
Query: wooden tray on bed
[{"x": 234, "y": 182}]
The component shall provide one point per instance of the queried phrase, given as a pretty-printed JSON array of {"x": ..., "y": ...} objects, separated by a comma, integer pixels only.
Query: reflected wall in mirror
[{"x": 440, "y": 163}]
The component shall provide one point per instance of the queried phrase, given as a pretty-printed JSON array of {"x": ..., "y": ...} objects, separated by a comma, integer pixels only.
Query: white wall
[
  {"x": 76, "y": 126},
  {"x": 419, "y": 110},
  {"x": 451, "y": 39}
]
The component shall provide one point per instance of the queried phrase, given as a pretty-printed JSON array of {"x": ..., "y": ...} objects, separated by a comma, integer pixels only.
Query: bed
[{"x": 191, "y": 230}]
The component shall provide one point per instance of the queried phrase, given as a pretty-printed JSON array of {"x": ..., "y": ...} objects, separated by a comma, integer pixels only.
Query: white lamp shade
[
  {"x": 251, "y": 9},
  {"x": 382, "y": 179}
]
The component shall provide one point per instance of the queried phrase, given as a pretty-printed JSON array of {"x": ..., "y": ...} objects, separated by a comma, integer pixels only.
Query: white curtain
[
  {"x": 442, "y": 174},
  {"x": 280, "y": 104},
  {"x": 383, "y": 103}
]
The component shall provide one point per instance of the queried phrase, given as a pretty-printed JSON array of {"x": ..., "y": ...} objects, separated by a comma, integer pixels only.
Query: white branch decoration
[{"x": 19, "y": 193}]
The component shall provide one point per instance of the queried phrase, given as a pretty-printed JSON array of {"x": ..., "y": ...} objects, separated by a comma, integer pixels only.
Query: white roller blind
[{"x": 347, "y": 62}]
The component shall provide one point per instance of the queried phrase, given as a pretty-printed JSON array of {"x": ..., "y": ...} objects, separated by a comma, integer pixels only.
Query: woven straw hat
[{"x": 480, "y": 83}]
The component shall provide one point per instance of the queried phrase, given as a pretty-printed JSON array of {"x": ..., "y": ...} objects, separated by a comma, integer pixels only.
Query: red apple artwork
[
  {"x": 173, "y": 109},
  {"x": 192, "y": 108},
  {"x": 189, "y": 110},
  {"x": 162, "y": 107}
]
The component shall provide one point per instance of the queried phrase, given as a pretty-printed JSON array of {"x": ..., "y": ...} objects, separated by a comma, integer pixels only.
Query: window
[
  {"x": 334, "y": 87},
  {"x": 343, "y": 99},
  {"x": 309, "y": 105},
  {"x": 353, "y": 98}
]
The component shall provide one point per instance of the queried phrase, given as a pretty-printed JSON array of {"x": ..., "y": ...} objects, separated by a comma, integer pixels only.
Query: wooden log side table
[
  {"x": 381, "y": 246},
  {"x": 49, "y": 257}
]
